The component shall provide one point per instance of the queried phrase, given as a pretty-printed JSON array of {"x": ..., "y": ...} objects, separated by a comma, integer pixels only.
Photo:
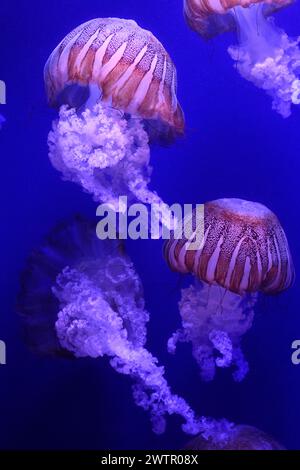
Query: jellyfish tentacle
[
  {"x": 89, "y": 326},
  {"x": 267, "y": 57},
  {"x": 214, "y": 330},
  {"x": 107, "y": 155},
  {"x": 104, "y": 153}
]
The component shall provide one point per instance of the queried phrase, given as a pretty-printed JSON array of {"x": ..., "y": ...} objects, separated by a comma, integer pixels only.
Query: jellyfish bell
[
  {"x": 71, "y": 243},
  {"x": 116, "y": 62},
  {"x": 207, "y": 18},
  {"x": 236, "y": 437},
  {"x": 244, "y": 251},
  {"x": 266, "y": 56}
]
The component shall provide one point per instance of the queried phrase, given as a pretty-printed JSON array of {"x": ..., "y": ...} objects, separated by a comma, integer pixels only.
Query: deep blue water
[{"x": 235, "y": 146}]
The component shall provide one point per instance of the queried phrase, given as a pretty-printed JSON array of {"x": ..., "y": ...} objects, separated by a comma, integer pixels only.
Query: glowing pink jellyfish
[
  {"x": 82, "y": 297},
  {"x": 244, "y": 251},
  {"x": 116, "y": 86},
  {"x": 236, "y": 437},
  {"x": 266, "y": 56}
]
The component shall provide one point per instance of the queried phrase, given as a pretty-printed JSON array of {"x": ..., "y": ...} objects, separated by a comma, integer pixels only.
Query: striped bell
[
  {"x": 244, "y": 249},
  {"x": 126, "y": 64}
]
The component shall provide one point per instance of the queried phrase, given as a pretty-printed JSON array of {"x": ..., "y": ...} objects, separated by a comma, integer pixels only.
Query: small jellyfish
[
  {"x": 244, "y": 251},
  {"x": 81, "y": 297},
  {"x": 265, "y": 56},
  {"x": 116, "y": 86},
  {"x": 236, "y": 437}
]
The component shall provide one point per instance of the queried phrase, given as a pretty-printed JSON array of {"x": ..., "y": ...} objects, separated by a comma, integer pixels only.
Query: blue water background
[{"x": 235, "y": 146}]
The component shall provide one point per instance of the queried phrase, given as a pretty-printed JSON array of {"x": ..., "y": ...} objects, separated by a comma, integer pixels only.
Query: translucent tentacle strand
[{"x": 214, "y": 321}]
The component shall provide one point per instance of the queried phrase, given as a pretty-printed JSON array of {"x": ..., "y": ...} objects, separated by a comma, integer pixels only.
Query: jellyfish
[
  {"x": 236, "y": 437},
  {"x": 265, "y": 56},
  {"x": 115, "y": 85},
  {"x": 244, "y": 251},
  {"x": 81, "y": 297}
]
